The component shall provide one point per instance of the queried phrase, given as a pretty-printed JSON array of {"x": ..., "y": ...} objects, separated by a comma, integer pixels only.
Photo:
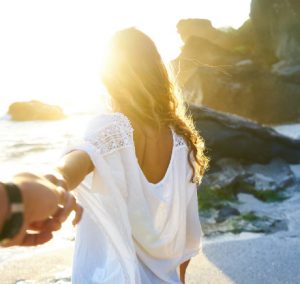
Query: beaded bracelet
[{"x": 13, "y": 225}]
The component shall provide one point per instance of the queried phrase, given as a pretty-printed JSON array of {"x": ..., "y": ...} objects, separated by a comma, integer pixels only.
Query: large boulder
[
  {"x": 231, "y": 136},
  {"x": 34, "y": 110}
]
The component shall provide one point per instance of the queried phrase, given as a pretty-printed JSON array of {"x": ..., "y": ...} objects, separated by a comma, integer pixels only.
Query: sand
[
  {"x": 265, "y": 259},
  {"x": 43, "y": 267}
]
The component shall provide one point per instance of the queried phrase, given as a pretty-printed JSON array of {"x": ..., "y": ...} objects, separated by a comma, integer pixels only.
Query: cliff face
[
  {"x": 253, "y": 71},
  {"x": 277, "y": 28},
  {"x": 231, "y": 39},
  {"x": 277, "y": 25}
]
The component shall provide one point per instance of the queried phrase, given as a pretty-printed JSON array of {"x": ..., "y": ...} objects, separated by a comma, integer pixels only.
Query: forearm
[
  {"x": 60, "y": 177},
  {"x": 71, "y": 170},
  {"x": 182, "y": 270}
]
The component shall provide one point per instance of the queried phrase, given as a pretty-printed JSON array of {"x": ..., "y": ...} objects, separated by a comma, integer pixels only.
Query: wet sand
[{"x": 43, "y": 267}]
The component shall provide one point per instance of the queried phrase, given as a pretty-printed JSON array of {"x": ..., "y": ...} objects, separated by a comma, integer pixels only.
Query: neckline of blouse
[{"x": 164, "y": 178}]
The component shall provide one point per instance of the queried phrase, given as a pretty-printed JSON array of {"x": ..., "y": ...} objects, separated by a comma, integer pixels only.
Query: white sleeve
[
  {"x": 85, "y": 142},
  {"x": 104, "y": 135},
  {"x": 193, "y": 229}
]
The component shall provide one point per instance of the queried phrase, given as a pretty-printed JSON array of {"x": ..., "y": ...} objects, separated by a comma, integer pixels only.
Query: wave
[
  {"x": 32, "y": 146},
  {"x": 5, "y": 117},
  {"x": 20, "y": 150}
]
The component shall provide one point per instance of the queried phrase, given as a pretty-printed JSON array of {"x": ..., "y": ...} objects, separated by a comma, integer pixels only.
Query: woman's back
[
  {"x": 142, "y": 223},
  {"x": 153, "y": 149}
]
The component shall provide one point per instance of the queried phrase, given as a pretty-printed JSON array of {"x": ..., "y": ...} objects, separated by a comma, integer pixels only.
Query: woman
[{"x": 141, "y": 216}]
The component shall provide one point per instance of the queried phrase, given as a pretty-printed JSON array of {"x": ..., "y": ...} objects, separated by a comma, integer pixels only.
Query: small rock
[
  {"x": 245, "y": 62},
  {"x": 276, "y": 175},
  {"x": 226, "y": 212}
]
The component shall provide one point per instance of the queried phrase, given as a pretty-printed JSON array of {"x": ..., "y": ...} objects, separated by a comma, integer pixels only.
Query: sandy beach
[
  {"x": 234, "y": 259},
  {"x": 261, "y": 260}
]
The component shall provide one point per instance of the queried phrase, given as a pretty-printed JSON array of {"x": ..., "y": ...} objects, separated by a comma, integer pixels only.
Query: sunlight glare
[{"x": 52, "y": 50}]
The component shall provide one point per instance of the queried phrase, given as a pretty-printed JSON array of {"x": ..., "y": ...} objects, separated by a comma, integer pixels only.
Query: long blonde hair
[{"x": 138, "y": 82}]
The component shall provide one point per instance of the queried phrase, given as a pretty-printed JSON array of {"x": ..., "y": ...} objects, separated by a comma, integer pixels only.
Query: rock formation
[
  {"x": 253, "y": 71},
  {"x": 246, "y": 158},
  {"x": 277, "y": 24},
  {"x": 34, "y": 110},
  {"x": 231, "y": 136}
]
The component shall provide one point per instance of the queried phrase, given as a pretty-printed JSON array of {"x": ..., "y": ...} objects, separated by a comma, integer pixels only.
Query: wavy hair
[{"x": 139, "y": 84}]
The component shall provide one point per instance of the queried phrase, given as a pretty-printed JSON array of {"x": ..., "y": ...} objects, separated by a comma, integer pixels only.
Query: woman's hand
[{"x": 46, "y": 207}]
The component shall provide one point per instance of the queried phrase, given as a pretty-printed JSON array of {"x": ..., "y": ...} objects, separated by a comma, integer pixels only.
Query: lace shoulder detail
[
  {"x": 179, "y": 141},
  {"x": 113, "y": 133}
]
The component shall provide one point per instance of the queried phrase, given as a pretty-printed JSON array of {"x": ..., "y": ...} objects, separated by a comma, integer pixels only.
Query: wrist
[
  {"x": 4, "y": 208},
  {"x": 56, "y": 178},
  {"x": 14, "y": 220},
  {"x": 38, "y": 196}
]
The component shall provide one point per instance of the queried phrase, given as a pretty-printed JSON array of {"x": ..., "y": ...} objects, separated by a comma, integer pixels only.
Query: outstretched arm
[{"x": 71, "y": 170}]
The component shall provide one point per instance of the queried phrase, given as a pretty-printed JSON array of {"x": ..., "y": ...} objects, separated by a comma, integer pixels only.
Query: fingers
[
  {"x": 17, "y": 240},
  {"x": 78, "y": 214},
  {"x": 52, "y": 218},
  {"x": 42, "y": 233},
  {"x": 37, "y": 239},
  {"x": 70, "y": 204},
  {"x": 30, "y": 239},
  {"x": 63, "y": 195},
  {"x": 62, "y": 213},
  {"x": 48, "y": 225}
]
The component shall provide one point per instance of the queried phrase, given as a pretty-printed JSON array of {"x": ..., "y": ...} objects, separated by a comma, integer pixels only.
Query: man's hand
[{"x": 46, "y": 207}]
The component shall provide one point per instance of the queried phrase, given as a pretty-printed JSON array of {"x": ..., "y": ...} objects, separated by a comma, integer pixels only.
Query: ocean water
[{"x": 37, "y": 145}]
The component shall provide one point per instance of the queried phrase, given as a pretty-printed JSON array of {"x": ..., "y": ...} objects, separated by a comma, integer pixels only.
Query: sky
[{"x": 52, "y": 50}]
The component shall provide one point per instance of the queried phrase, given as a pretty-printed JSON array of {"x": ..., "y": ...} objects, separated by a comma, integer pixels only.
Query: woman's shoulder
[
  {"x": 109, "y": 132},
  {"x": 109, "y": 122}
]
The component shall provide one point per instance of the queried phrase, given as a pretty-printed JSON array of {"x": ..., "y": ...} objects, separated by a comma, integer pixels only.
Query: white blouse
[{"x": 133, "y": 231}]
